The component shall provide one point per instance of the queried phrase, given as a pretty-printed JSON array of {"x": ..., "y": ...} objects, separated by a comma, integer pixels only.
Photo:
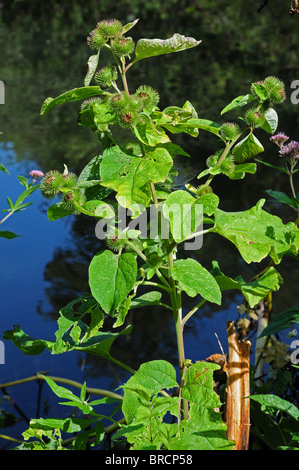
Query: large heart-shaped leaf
[
  {"x": 194, "y": 279},
  {"x": 111, "y": 278}
]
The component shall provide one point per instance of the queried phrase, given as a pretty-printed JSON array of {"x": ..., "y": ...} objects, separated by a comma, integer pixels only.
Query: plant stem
[
  {"x": 156, "y": 284},
  {"x": 292, "y": 183},
  {"x": 121, "y": 364},
  {"x": 159, "y": 274},
  {"x": 228, "y": 146},
  {"x": 73, "y": 383},
  {"x": 6, "y": 217},
  {"x": 177, "y": 313},
  {"x": 192, "y": 311}
]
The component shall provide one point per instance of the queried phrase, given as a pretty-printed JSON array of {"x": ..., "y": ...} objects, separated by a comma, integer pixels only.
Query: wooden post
[{"x": 238, "y": 387}]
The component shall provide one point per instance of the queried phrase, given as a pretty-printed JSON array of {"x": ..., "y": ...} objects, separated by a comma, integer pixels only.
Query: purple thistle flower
[
  {"x": 290, "y": 151},
  {"x": 279, "y": 138},
  {"x": 36, "y": 174}
]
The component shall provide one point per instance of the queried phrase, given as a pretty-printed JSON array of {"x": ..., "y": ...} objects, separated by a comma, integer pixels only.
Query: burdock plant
[{"x": 143, "y": 267}]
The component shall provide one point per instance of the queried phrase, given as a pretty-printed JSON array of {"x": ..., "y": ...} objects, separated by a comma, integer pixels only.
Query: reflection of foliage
[{"x": 41, "y": 58}]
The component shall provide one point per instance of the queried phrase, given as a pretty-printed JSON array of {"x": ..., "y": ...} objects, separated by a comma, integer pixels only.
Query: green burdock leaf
[
  {"x": 129, "y": 26},
  {"x": 26, "y": 343},
  {"x": 92, "y": 64},
  {"x": 69, "y": 425},
  {"x": 205, "y": 429},
  {"x": 184, "y": 213},
  {"x": 91, "y": 172},
  {"x": 194, "y": 279},
  {"x": 150, "y": 379},
  {"x": 129, "y": 175},
  {"x": 257, "y": 234},
  {"x": 271, "y": 404},
  {"x": 152, "y": 47},
  {"x": 261, "y": 91},
  {"x": 247, "y": 148},
  {"x": 149, "y": 134},
  {"x": 150, "y": 298},
  {"x": 271, "y": 121},
  {"x": 254, "y": 291},
  {"x": 209, "y": 202},
  {"x": 191, "y": 126},
  {"x": 111, "y": 278},
  {"x": 57, "y": 211},
  {"x": 238, "y": 102},
  {"x": 281, "y": 321},
  {"x": 72, "y": 95},
  {"x": 144, "y": 409},
  {"x": 241, "y": 169},
  {"x": 99, "y": 344}
]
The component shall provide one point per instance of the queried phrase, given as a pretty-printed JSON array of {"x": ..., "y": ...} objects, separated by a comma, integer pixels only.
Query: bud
[
  {"x": 109, "y": 28},
  {"x": 106, "y": 76},
  {"x": 122, "y": 46},
  {"x": 119, "y": 102},
  {"x": 86, "y": 103},
  {"x": 229, "y": 130},
  {"x": 51, "y": 184},
  {"x": 95, "y": 39},
  {"x": 228, "y": 165},
  {"x": 275, "y": 89},
  {"x": 70, "y": 198},
  {"x": 254, "y": 118},
  {"x": 69, "y": 180},
  {"x": 115, "y": 240},
  {"x": 148, "y": 97},
  {"x": 133, "y": 147},
  {"x": 203, "y": 189}
]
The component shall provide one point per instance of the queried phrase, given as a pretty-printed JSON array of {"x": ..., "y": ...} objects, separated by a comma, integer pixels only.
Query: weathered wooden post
[{"x": 238, "y": 387}]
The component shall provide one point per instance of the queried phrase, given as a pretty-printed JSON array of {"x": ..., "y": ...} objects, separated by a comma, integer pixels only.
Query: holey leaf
[
  {"x": 150, "y": 379},
  {"x": 111, "y": 278},
  {"x": 194, "y": 279},
  {"x": 257, "y": 234},
  {"x": 153, "y": 47},
  {"x": 129, "y": 175}
]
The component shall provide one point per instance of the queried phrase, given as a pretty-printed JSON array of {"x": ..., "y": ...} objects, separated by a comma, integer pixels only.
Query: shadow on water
[{"x": 48, "y": 267}]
